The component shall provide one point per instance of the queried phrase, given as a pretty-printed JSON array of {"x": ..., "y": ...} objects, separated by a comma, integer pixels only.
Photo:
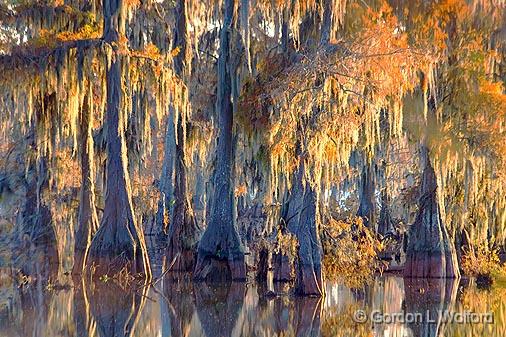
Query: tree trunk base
[
  {"x": 114, "y": 251},
  {"x": 425, "y": 265},
  {"x": 79, "y": 261},
  {"x": 310, "y": 281},
  {"x": 263, "y": 265},
  {"x": 212, "y": 269},
  {"x": 283, "y": 269},
  {"x": 183, "y": 261}
]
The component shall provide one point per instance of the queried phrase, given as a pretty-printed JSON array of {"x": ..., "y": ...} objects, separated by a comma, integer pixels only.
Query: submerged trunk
[
  {"x": 183, "y": 228},
  {"x": 220, "y": 252},
  {"x": 38, "y": 232},
  {"x": 119, "y": 243},
  {"x": 303, "y": 221},
  {"x": 87, "y": 219},
  {"x": 367, "y": 206},
  {"x": 308, "y": 317},
  {"x": 41, "y": 248},
  {"x": 430, "y": 251}
]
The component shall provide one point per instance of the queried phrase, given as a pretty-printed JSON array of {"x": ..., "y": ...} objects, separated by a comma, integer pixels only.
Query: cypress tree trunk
[
  {"x": 119, "y": 242},
  {"x": 367, "y": 208},
  {"x": 183, "y": 229},
  {"x": 165, "y": 208},
  {"x": 199, "y": 201},
  {"x": 42, "y": 245},
  {"x": 309, "y": 274},
  {"x": 87, "y": 223},
  {"x": 430, "y": 252},
  {"x": 385, "y": 222},
  {"x": 303, "y": 221},
  {"x": 302, "y": 215},
  {"x": 220, "y": 252}
]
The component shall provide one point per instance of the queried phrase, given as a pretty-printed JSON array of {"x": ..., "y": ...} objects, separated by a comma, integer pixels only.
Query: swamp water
[{"x": 390, "y": 306}]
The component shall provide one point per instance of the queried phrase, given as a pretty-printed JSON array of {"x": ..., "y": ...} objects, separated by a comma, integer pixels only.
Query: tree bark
[
  {"x": 303, "y": 221},
  {"x": 165, "y": 209},
  {"x": 327, "y": 19},
  {"x": 220, "y": 252},
  {"x": 183, "y": 230},
  {"x": 367, "y": 208},
  {"x": 263, "y": 265},
  {"x": 38, "y": 232},
  {"x": 430, "y": 252},
  {"x": 385, "y": 222},
  {"x": 87, "y": 223},
  {"x": 309, "y": 273},
  {"x": 119, "y": 242}
]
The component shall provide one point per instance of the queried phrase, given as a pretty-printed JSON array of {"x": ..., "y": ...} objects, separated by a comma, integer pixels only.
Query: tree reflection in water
[
  {"x": 85, "y": 325},
  {"x": 115, "y": 309},
  {"x": 219, "y": 306},
  {"x": 431, "y": 299},
  {"x": 175, "y": 306}
]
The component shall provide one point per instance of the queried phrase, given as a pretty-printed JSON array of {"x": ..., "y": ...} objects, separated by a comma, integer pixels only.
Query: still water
[{"x": 390, "y": 306}]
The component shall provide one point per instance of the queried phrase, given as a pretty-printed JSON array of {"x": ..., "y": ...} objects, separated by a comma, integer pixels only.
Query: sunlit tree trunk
[
  {"x": 183, "y": 230},
  {"x": 87, "y": 222},
  {"x": 430, "y": 252},
  {"x": 220, "y": 252},
  {"x": 119, "y": 242}
]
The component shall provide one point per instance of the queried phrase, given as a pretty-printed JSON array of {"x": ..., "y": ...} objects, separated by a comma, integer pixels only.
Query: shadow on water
[{"x": 175, "y": 306}]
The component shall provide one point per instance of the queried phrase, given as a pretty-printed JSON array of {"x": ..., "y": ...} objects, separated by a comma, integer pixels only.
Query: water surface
[{"x": 183, "y": 308}]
